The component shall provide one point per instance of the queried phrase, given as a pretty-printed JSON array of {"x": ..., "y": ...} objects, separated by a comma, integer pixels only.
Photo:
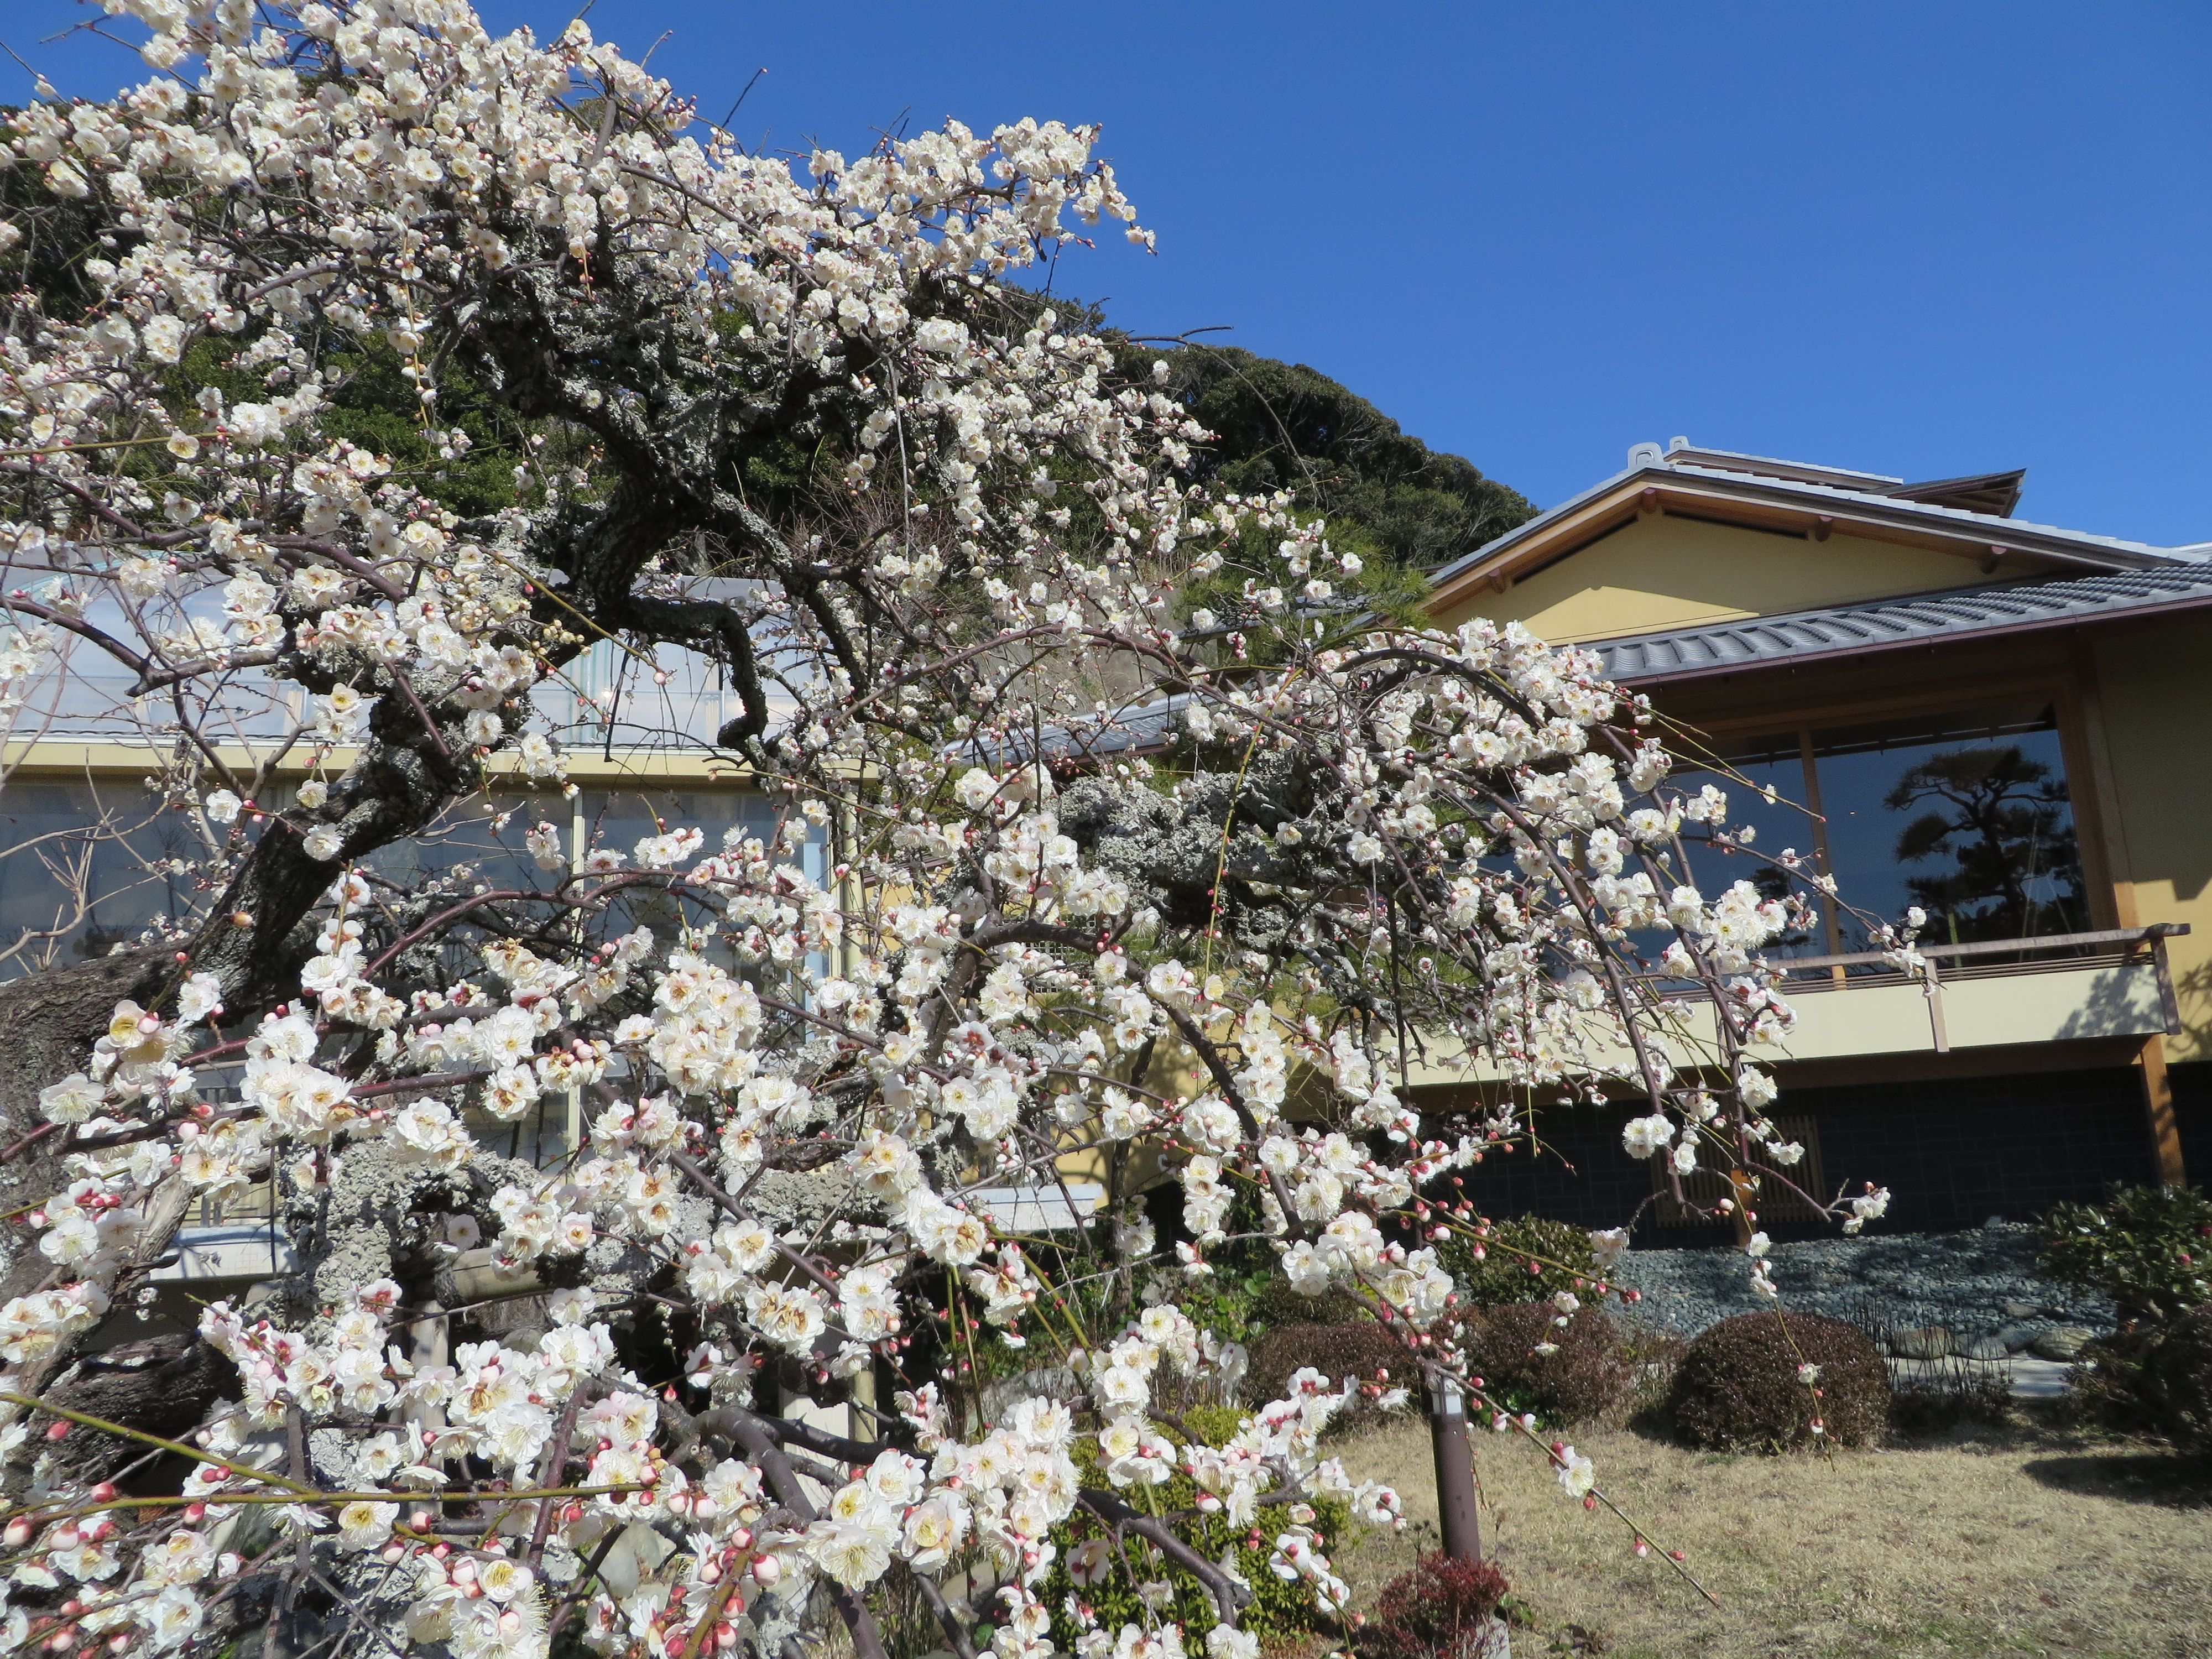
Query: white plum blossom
[
  {"x": 1578, "y": 1474},
  {"x": 1028, "y": 887}
]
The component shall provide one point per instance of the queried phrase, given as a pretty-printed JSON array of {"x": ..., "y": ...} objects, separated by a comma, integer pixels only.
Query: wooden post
[
  {"x": 1740, "y": 1190},
  {"x": 1455, "y": 1461},
  {"x": 2158, "y": 1100}
]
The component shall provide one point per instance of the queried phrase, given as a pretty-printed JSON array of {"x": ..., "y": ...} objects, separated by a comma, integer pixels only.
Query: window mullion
[{"x": 1832, "y": 925}]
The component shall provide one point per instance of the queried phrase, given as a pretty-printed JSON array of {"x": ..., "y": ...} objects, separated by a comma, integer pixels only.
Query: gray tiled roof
[{"x": 1848, "y": 629}]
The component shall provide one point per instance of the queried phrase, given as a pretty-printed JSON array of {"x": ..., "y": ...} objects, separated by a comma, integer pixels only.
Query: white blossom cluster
[
  {"x": 1100, "y": 900},
  {"x": 952, "y": 1038}
]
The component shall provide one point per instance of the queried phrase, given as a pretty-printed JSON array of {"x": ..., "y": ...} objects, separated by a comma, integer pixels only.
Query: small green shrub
[
  {"x": 2149, "y": 1248},
  {"x": 2177, "y": 1379},
  {"x": 1279, "y": 1612},
  {"x": 1440, "y": 1610},
  {"x": 2154, "y": 1379},
  {"x": 1737, "y": 1386},
  {"x": 2104, "y": 1385},
  {"x": 1588, "y": 1374},
  {"x": 1525, "y": 1260},
  {"x": 1359, "y": 1348}
]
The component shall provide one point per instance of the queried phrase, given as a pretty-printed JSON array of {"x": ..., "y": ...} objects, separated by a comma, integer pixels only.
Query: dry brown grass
[{"x": 2020, "y": 1541}]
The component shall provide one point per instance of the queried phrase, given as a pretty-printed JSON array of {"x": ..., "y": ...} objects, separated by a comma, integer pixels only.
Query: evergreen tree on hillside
[
  {"x": 1400, "y": 508},
  {"x": 1285, "y": 426}
]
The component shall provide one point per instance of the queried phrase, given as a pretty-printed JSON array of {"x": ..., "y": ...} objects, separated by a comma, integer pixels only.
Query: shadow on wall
[
  {"x": 1953, "y": 1151},
  {"x": 2120, "y": 1001},
  {"x": 2193, "y": 990}
]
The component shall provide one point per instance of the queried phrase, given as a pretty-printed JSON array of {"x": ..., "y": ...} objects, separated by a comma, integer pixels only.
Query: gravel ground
[{"x": 1962, "y": 1281}]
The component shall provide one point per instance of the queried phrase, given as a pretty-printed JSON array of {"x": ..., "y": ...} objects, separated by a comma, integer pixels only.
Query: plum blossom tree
[{"x": 1098, "y": 884}]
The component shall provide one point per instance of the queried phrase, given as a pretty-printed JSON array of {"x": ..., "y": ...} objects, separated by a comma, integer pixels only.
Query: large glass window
[
  {"x": 87, "y": 867},
  {"x": 617, "y": 819},
  {"x": 477, "y": 842},
  {"x": 620, "y": 818},
  {"x": 1774, "y": 808},
  {"x": 1966, "y": 816}
]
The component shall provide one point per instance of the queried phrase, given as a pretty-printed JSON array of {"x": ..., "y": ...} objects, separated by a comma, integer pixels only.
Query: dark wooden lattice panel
[{"x": 1775, "y": 1203}]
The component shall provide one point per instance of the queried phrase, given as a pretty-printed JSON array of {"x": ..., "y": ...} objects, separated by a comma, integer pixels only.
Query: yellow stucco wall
[
  {"x": 1664, "y": 572},
  {"x": 2155, "y": 694}
]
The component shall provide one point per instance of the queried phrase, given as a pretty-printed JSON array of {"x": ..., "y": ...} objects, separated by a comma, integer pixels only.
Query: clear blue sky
[{"x": 1927, "y": 238}]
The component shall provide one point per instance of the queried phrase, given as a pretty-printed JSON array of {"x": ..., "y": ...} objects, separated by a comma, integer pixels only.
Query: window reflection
[
  {"x": 1966, "y": 815},
  {"x": 618, "y": 819},
  {"x": 1749, "y": 769},
  {"x": 475, "y": 846},
  {"x": 1963, "y": 814},
  {"x": 475, "y": 843},
  {"x": 87, "y": 867}
]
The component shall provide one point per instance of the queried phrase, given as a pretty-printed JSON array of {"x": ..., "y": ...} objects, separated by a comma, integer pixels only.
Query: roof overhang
[{"x": 1814, "y": 511}]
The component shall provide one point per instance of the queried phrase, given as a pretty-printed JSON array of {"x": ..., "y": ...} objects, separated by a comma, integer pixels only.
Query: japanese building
[{"x": 2005, "y": 725}]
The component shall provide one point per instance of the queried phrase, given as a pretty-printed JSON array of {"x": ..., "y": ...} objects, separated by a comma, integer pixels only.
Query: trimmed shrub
[
  {"x": 1443, "y": 1608},
  {"x": 2177, "y": 1381},
  {"x": 2155, "y": 1379},
  {"x": 1525, "y": 1260},
  {"x": 1359, "y": 1348},
  {"x": 1738, "y": 1389},
  {"x": 2148, "y": 1247},
  {"x": 1588, "y": 1374}
]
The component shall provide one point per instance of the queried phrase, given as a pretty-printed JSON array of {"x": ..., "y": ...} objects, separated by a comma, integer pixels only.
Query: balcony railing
[
  {"x": 2115, "y": 963},
  {"x": 2063, "y": 987}
]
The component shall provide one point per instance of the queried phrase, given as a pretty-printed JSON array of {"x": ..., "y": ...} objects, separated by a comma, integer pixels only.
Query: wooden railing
[{"x": 2116, "y": 945}]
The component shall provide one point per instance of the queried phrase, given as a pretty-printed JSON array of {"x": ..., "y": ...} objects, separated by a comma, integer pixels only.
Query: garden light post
[{"x": 1455, "y": 1461}]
